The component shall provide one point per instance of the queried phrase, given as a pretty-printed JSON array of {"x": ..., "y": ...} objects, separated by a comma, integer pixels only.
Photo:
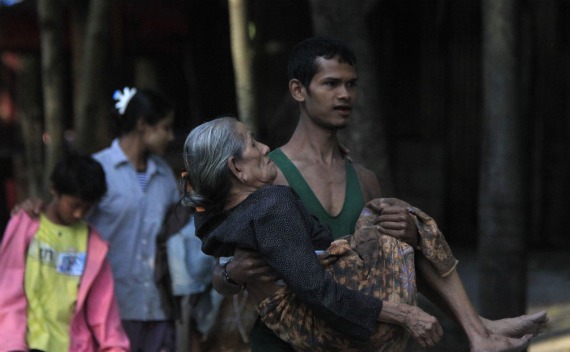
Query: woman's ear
[
  {"x": 297, "y": 90},
  {"x": 236, "y": 169}
]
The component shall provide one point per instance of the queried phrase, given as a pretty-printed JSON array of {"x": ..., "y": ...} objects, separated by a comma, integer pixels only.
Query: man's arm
[{"x": 245, "y": 267}]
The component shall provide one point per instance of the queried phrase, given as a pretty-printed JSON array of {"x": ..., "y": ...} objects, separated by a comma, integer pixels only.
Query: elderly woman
[{"x": 357, "y": 293}]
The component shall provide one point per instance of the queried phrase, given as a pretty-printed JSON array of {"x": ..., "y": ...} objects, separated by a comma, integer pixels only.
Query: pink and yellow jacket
[{"x": 96, "y": 324}]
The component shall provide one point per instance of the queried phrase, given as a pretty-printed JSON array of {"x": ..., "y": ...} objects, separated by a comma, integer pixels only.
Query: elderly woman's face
[{"x": 258, "y": 169}]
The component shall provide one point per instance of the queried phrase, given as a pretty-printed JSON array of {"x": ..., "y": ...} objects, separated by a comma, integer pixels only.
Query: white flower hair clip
[{"x": 123, "y": 98}]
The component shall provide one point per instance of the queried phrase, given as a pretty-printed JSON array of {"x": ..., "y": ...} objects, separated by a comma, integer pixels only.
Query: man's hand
[
  {"x": 246, "y": 267},
  {"x": 249, "y": 266},
  {"x": 33, "y": 207},
  {"x": 395, "y": 221}
]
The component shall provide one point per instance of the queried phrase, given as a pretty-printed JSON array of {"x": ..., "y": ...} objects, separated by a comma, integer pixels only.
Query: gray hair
[{"x": 206, "y": 152}]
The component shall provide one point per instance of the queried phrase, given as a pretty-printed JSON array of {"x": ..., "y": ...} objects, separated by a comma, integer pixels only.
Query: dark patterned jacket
[{"x": 274, "y": 222}]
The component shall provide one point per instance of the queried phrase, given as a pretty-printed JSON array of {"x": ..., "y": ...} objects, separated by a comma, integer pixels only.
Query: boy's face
[{"x": 67, "y": 210}]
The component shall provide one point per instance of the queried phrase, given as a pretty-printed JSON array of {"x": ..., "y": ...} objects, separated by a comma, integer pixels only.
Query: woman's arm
[{"x": 283, "y": 233}]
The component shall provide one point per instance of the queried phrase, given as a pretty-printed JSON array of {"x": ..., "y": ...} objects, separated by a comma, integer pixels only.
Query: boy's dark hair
[
  {"x": 151, "y": 106},
  {"x": 79, "y": 176},
  {"x": 302, "y": 61}
]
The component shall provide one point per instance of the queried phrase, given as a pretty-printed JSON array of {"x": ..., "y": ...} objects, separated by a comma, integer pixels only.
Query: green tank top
[{"x": 342, "y": 224}]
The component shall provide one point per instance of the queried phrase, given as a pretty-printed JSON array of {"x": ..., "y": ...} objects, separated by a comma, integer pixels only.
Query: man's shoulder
[
  {"x": 361, "y": 170},
  {"x": 368, "y": 181}
]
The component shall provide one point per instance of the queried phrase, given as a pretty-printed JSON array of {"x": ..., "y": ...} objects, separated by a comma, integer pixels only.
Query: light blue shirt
[
  {"x": 130, "y": 220},
  {"x": 190, "y": 268},
  {"x": 191, "y": 273}
]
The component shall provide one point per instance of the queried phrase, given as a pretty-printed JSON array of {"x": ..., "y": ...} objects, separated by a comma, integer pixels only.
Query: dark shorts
[{"x": 150, "y": 336}]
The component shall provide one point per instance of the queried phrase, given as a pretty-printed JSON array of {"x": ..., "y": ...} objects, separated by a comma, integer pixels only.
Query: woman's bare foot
[
  {"x": 519, "y": 326},
  {"x": 500, "y": 343}
]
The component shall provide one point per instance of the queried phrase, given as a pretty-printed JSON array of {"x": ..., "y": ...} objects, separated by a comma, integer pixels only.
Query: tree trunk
[
  {"x": 51, "y": 32},
  {"x": 92, "y": 114},
  {"x": 552, "y": 128},
  {"x": 243, "y": 63},
  {"x": 502, "y": 225},
  {"x": 346, "y": 20},
  {"x": 30, "y": 117}
]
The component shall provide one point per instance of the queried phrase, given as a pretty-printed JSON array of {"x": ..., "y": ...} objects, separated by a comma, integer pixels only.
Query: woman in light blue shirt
[{"x": 141, "y": 188}]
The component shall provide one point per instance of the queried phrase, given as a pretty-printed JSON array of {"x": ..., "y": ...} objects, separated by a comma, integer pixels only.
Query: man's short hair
[
  {"x": 303, "y": 59},
  {"x": 79, "y": 176}
]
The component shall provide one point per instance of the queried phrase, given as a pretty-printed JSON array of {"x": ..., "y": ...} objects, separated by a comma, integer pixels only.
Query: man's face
[{"x": 331, "y": 94}]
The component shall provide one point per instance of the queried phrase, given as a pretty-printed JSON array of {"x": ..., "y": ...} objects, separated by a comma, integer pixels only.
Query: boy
[{"x": 56, "y": 287}]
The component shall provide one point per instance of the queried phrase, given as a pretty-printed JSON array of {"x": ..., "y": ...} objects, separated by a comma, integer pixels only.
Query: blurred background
[{"x": 464, "y": 107}]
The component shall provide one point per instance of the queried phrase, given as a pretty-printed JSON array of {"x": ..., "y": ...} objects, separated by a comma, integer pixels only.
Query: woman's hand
[
  {"x": 422, "y": 327},
  {"x": 32, "y": 207}
]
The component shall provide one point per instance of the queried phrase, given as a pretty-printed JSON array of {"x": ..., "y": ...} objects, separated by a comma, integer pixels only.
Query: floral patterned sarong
[{"x": 367, "y": 261}]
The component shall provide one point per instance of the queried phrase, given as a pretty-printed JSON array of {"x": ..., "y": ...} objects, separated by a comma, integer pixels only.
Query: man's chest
[{"x": 328, "y": 184}]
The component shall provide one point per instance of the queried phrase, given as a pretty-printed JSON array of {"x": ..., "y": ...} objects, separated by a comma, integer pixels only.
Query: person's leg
[
  {"x": 150, "y": 336},
  {"x": 437, "y": 265},
  {"x": 134, "y": 330},
  {"x": 511, "y": 327},
  {"x": 518, "y": 326},
  {"x": 373, "y": 264},
  {"x": 454, "y": 296}
]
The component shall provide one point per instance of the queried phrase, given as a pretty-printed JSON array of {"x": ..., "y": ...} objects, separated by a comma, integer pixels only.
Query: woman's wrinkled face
[
  {"x": 157, "y": 137},
  {"x": 258, "y": 170}
]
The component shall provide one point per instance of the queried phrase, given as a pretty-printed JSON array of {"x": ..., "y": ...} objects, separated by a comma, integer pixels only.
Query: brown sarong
[{"x": 372, "y": 263}]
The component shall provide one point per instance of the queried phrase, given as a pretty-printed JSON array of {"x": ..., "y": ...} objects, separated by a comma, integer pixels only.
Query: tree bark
[
  {"x": 242, "y": 57},
  {"x": 346, "y": 20},
  {"x": 551, "y": 121},
  {"x": 502, "y": 218},
  {"x": 30, "y": 117},
  {"x": 51, "y": 35},
  {"x": 92, "y": 114}
]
